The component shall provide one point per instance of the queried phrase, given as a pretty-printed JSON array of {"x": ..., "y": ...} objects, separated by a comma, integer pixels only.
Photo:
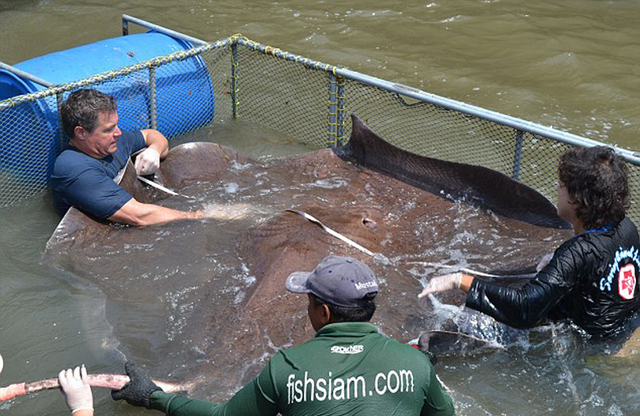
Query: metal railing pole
[
  {"x": 234, "y": 78},
  {"x": 59, "y": 100},
  {"x": 153, "y": 109},
  {"x": 26, "y": 75},
  {"x": 332, "y": 135},
  {"x": 125, "y": 26},
  {"x": 517, "y": 155},
  {"x": 160, "y": 29},
  {"x": 340, "y": 130}
]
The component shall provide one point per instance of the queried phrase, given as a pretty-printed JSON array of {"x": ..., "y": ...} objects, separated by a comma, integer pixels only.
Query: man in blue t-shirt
[{"x": 83, "y": 173}]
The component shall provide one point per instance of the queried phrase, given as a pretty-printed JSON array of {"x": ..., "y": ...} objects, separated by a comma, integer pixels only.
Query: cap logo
[{"x": 341, "y": 281}]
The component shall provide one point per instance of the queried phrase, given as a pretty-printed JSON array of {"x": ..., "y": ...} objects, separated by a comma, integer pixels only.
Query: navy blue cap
[{"x": 342, "y": 281}]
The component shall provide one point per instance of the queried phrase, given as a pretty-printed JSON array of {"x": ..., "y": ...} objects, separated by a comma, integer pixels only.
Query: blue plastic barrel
[{"x": 184, "y": 95}]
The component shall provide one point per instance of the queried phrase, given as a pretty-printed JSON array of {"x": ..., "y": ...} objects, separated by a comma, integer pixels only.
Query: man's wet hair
[
  {"x": 344, "y": 314},
  {"x": 83, "y": 108},
  {"x": 596, "y": 178}
]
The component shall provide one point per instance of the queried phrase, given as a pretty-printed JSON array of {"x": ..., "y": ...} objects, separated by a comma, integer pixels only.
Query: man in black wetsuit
[{"x": 592, "y": 279}]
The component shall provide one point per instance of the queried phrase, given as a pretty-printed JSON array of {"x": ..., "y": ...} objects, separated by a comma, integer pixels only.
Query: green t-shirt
[{"x": 347, "y": 369}]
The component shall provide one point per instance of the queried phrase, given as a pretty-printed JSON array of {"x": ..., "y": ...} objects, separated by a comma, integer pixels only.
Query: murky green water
[{"x": 571, "y": 65}]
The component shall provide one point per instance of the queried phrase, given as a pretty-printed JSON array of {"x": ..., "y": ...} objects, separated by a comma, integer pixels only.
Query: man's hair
[
  {"x": 344, "y": 314},
  {"x": 83, "y": 108},
  {"x": 596, "y": 178}
]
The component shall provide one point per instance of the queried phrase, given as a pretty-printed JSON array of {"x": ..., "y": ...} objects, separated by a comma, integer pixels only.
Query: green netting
[
  {"x": 283, "y": 95},
  {"x": 308, "y": 101}
]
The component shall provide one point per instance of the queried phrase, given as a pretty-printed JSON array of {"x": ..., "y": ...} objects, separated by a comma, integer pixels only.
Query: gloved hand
[
  {"x": 543, "y": 262},
  {"x": 136, "y": 392},
  {"x": 147, "y": 162},
  {"x": 76, "y": 389},
  {"x": 442, "y": 283}
]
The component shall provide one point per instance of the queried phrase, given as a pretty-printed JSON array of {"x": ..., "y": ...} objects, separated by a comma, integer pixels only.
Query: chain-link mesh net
[
  {"x": 285, "y": 92},
  {"x": 27, "y": 149},
  {"x": 278, "y": 93},
  {"x": 306, "y": 100}
]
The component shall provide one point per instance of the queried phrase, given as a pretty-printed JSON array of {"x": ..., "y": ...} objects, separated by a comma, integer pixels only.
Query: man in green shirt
[{"x": 348, "y": 368}]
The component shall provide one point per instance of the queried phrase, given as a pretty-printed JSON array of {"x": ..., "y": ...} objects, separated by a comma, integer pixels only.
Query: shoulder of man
[
  {"x": 133, "y": 140},
  {"x": 627, "y": 229},
  {"x": 71, "y": 162},
  {"x": 397, "y": 351},
  {"x": 408, "y": 352}
]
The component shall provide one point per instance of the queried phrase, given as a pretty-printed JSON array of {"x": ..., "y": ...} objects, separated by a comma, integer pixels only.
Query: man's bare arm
[
  {"x": 156, "y": 140},
  {"x": 148, "y": 161},
  {"x": 139, "y": 214}
]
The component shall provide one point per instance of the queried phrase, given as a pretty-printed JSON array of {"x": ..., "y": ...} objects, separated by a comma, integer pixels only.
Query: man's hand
[
  {"x": 442, "y": 284},
  {"x": 76, "y": 389},
  {"x": 147, "y": 162},
  {"x": 227, "y": 212},
  {"x": 138, "y": 391}
]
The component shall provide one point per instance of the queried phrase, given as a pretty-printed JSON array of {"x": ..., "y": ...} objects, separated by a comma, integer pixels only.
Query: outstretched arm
[
  {"x": 521, "y": 307},
  {"x": 156, "y": 140},
  {"x": 139, "y": 214},
  {"x": 254, "y": 399}
]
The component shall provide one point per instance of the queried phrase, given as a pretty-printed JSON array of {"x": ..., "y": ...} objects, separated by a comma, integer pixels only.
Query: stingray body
[{"x": 206, "y": 299}]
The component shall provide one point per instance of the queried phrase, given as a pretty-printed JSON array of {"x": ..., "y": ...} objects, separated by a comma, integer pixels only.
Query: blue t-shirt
[{"x": 86, "y": 183}]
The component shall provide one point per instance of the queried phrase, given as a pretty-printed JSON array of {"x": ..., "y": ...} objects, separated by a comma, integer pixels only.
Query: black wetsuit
[{"x": 592, "y": 279}]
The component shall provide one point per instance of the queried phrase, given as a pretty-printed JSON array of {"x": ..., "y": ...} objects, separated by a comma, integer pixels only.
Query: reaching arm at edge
[
  {"x": 252, "y": 400},
  {"x": 525, "y": 307},
  {"x": 437, "y": 402},
  {"x": 139, "y": 214}
]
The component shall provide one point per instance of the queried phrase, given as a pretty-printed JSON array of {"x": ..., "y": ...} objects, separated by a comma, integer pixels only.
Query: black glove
[{"x": 136, "y": 392}]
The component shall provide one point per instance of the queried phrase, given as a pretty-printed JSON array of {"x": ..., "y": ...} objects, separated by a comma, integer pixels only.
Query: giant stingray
[{"x": 205, "y": 300}]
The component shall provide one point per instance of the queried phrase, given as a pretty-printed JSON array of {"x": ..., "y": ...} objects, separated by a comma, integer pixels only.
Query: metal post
[
  {"x": 340, "y": 130},
  {"x": 59, "y": 99},
  {"x": 332, "y": 135},
  {"x": 517, "y": 155},
  {"x": 161, "y": 29},
  {"x": 234, "y": 78},
  {"x": 26, "y": 75},
  {"x": 125, "y": 26},
  {"x": 153, "y": 113}
]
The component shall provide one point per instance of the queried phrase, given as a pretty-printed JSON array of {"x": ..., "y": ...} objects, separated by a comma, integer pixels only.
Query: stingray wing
[{"x": 477, "y": 185}]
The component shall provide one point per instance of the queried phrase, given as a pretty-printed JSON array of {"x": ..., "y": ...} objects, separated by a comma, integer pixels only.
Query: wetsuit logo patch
[
  {"x": 627, "y": 281},
  {"x": 625, "y": 264}
]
